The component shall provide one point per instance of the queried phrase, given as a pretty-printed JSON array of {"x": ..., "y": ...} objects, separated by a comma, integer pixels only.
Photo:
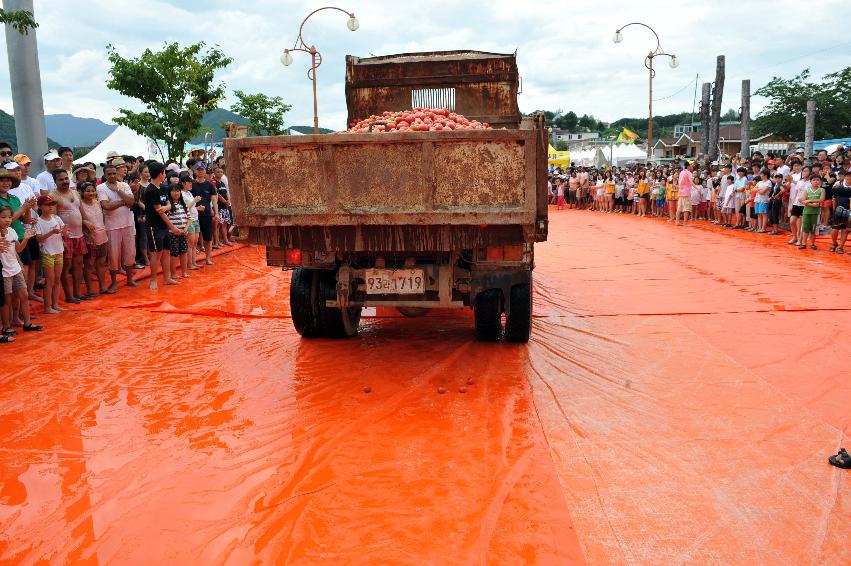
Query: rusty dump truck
[{"x": 411, "y": 220}]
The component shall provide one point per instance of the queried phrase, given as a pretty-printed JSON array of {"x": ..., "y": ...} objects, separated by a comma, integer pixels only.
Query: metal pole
[
  {"x": 650, "y": 112},
  {"x": 25, "y": 77},
  {"x": 315, "y": 105}
]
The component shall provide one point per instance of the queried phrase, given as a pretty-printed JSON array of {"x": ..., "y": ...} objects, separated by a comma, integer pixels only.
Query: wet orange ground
[{"x": 676, "y": 405}]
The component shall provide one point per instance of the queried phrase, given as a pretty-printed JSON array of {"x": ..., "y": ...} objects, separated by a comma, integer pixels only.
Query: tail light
[{"x": 293, "y": 256}]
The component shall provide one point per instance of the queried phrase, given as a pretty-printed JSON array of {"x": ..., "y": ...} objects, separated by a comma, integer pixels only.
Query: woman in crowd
[{"x": 94, "y": 263}]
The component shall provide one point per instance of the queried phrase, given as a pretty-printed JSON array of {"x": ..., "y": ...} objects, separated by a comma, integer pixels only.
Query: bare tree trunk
[
  {"x": 810, "y": 129},
  {"x": 746, "y": 119},
  {"x": 715, "y": 120},
  {"x": 704, "y": 118}
]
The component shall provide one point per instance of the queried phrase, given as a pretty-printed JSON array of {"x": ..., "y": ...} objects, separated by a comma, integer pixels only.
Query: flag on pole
[{"x": 627, "y": 136}]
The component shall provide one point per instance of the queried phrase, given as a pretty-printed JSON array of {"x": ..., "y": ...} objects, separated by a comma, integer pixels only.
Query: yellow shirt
[
  {"x": 673, "y": 191},
  {"x": 641, "y": 187},
  {"x": 610, "y": 187}
]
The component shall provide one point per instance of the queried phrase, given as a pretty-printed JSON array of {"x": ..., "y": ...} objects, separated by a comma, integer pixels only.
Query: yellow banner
[{"x": 627, "y": 136}]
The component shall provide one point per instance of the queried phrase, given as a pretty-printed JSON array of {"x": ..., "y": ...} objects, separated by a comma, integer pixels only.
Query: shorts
[
  {"x": 158, "y": 238},
  {"x": 660, "y": 203},
  {"x": 31, "y": 252},
  {"x": 225, "y": 216},
  {"x": 761, "y": 207},
  {"x": 50, "y": 261},
  {"x": 75, "y": 247},
  {"x": 810, "y": 222},
  {"x": 684, "y": 204},
  {"x": 178, "y": 245},
  {"x": 742, "y": 209},
  {"x": 206, "y": 225},
  {"x": 194, "y": 227},
  {"x": 122, "y": 247},
  {"x": 14, "y": 282},
  {"x": 98, "y": 251},
  {"x": 797, "y": 210}
]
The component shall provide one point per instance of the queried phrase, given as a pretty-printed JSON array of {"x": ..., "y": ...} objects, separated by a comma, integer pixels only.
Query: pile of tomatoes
[{"x": 418, "y": 120}]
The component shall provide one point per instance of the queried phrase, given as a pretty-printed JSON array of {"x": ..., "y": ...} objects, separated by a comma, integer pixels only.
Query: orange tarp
[{"x": 676, "y": 404}]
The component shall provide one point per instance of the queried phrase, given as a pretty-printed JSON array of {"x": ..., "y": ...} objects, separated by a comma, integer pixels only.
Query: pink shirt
[{"x": 685, "y": 183}]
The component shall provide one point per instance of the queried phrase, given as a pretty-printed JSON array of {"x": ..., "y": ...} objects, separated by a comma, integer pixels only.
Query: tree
[
  {"x": 730, "y": 116},
  {"x": 21, "y": 20},
  {"x": 587, "y": 122},
  {"x": 265, "y": 114},
  {"x": 175, "y": 85},
  {"x": 785, "y": 115},
  {"x": 568, "y": 121}
]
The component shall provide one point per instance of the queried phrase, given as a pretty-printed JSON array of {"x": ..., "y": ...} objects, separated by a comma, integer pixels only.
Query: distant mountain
[
  {"x": 8, "y": 133},
  {"x": 73, "y": 131},
  {"x": 309, "y": 130},
  {"x": 214, "y": 119}
]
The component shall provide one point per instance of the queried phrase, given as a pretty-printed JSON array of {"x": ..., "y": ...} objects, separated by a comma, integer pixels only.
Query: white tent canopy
[{"x": 124, "y": 141}]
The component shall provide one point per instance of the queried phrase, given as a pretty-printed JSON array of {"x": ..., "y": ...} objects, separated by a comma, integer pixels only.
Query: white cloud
[{"x": 565, "y": 53}]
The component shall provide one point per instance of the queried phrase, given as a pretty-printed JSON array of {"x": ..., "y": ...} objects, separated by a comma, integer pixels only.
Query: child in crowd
[
  {"x": 194, "y": 228},
  {"x": 50, "y": 231},
  {"x": 96, "y": 239},
  {"x": 812, "y": 199},
  {"x": 179, "y": 217},
  {"x": 14, "y": 284}
]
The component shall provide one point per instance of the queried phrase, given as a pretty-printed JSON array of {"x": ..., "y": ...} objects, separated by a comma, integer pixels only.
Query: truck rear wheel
[
  {"x": 488, "y": 314},
  {"x": 304, "y": 302},
  {"x": 337, "y": 322},
  {"x": 518, "y": 321}
]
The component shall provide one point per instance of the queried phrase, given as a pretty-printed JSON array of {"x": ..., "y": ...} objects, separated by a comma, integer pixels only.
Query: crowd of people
[
  {"x": 69, "y": 234},
  {"x": 767, "y": 194}
]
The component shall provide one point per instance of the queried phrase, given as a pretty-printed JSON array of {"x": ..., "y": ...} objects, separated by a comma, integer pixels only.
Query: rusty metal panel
[
  {"x": 479, "y": 175},
  {"x": 380, "y": 177},
  {"x": 283, "y": 177},
  {"x": 485, "y": 84}
]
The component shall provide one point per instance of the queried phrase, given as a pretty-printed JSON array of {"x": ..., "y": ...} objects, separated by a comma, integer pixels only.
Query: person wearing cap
[
  {"x": 50, "y": 231},
  {"x": 82, "y": 172},
  {"x": 20, "y": 209},
  {"x": 204, "y": 189},
  {"x": 45, "y": 179},
  {"x": 158, "y": 226},
  {"x": 23, "y": 160},
  {"x": 116, "y": 199},
  {"x": 15, "y": 307}
]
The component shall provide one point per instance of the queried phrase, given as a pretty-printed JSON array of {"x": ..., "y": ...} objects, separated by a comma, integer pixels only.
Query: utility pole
[
  {"x": 715, "y": 119},
  {"x": 746, "y": 119},
  {"x": 25, "y": 77},
  {"x": 810, "y": 129},
  {"x": 704, "y": 118}
]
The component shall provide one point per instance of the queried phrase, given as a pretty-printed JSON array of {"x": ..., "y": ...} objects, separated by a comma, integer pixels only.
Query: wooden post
[
  {"x": 704, "y": 118},
  {"x": 746, "y": 119},
  {"x": 810, "y": 129},
  {"x": 715, "y": 119}
]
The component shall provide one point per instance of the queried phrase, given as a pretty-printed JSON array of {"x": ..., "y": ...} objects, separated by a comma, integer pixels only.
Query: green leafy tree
[
  {"x": 730, "y": 116},
  {"x": 785, "y": 114},
  {"x": 21, "y": 20},
  {"x": 176, "y": 85},
  {"x": 265, "y": 114}
]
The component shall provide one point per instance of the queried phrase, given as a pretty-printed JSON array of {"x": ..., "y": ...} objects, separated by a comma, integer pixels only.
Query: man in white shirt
[
  {"x": 23, "y": 160},
  {"x": 116, "y": 199},
  {"x": 45, "y": 178}
]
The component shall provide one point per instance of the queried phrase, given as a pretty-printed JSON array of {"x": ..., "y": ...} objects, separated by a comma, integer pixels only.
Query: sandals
[
  {"x": 33, "y": 327},
  {"x": 802, "y": 247},
  {"x": 840, "y": 250},
  {"x": 832, "y": 248},
  {"x": 10, "y": 332},
  {"x": 6, "y": 339},
  {"x": 841, "y": 460},
  {"x": 813, "y": 247}
]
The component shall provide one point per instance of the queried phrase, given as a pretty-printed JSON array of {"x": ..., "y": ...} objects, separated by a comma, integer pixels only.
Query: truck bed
[{"x": 347, "y": 187}]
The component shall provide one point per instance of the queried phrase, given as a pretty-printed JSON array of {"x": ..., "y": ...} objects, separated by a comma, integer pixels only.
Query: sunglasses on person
[{"x": 6, "y": 153}]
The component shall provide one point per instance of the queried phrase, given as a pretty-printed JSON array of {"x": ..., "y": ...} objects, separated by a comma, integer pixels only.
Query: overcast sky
[{"x": 565, "y": 51}]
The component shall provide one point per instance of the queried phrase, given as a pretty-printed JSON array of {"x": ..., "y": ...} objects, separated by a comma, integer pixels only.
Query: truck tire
[
  {"x": 304, "y": 302},
  {"x": 488, "y": 314},
  {"x": 337, "y": 322},
  {"x": 518, "y": 321},
  {"x": 412, "y": 312}
]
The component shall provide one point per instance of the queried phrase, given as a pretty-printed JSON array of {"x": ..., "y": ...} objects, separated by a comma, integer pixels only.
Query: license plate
[{"x": 395, "y": 282}]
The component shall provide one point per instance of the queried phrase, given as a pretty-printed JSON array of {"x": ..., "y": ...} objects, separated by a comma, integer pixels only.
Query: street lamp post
[
  {"x": 648, "y": 62},
  {"x": 316, "y": 57}
]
